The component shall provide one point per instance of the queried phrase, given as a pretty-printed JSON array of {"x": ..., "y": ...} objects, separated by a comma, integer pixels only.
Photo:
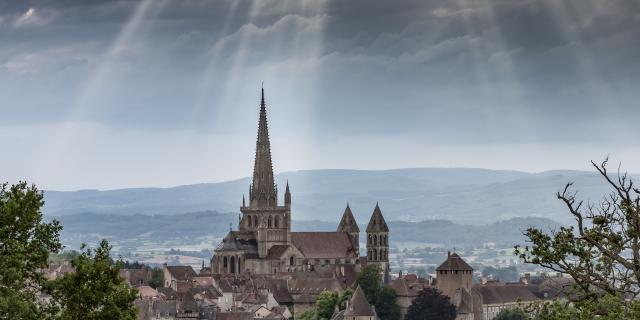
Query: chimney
[{"x": 448, "y": 254}]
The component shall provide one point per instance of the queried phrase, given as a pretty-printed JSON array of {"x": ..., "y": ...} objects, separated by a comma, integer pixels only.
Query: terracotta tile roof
[
  {"x": 504, "y": 294},
  {"x": 182, "y": 272},
  {"x": 455, "y": 263},
  {"x": 323, "y": 245}
]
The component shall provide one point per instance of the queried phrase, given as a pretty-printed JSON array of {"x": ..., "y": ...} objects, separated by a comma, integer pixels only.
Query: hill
[
  {"x": 468, "y": 196},
  {"x": 210, "y": 226}
]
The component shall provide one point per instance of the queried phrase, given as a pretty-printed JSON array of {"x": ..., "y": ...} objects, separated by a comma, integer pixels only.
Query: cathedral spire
[{"x": 263, "y": 189}]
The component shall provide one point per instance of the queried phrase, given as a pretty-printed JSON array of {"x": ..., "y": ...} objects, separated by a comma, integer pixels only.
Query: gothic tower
[
  {"x": 378, "y": 240},
  {"x": 348, "y": 224},
  {"x": 270, "y": 223}
]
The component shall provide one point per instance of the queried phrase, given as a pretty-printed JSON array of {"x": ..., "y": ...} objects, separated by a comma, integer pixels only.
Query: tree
[
  {"x": 157, "y": 278},
  {"x": 369, "y": 281},
  {"x": 25, "y": 244},
  {"x": 607, "y": 307},
  {"x": 511, "y": 314},
  {"x": 431, "y": 304},
  {"x": 387, "y": 307},
  {"x": 94, "y": 291},
  {"x": 602, "y": 250},
  {"x": 326, "y": 304}
]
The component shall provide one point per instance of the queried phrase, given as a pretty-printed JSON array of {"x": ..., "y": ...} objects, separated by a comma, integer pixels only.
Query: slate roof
[
  {"x": 323, "y": 245},
  {"x": 377, "y": 223},
  {"x": 504, "y": 294},
  {"x": 358, "y": 305},
  {"x": 240, "y": 241},
  {"x": 348, "y": 222},
  {"x": 276, "y": 252},
  {"x": 182, "y": 272},
  {"x": 454, "y": 263}
]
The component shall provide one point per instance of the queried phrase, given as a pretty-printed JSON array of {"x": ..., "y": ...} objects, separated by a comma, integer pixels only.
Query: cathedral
[{"x": 264, "y": 244}]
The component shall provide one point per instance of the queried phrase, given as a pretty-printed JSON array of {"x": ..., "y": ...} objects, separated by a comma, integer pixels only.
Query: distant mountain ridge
[
  {"x": 462, "y": 195},
  {"x": 137, "y": 229}
]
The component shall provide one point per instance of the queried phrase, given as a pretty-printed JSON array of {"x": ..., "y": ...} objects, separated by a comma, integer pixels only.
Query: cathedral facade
[{"x": 264, "y": 243}]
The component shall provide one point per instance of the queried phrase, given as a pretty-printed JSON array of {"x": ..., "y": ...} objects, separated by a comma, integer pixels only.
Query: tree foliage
[
  {"x": 370, "y": 282},
  {"x": 94, "y": 291},
  {"x": 511, "y": 314},
  {"x": 25, "y": 244},
  {"x": 431, "y": 304},
  {"x": 381, "y": 296},
  {"x": 606, "y": 307},
  {"x": 326, "y": 304},
  {"x": 387, "y": 307},
  {"x": 601, "y": 252}
]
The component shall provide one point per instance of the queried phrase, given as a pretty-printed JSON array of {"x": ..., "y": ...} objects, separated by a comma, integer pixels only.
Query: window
[
  {"x": 277, "y": 222},
  {"x": 269, "y": 222},
  {"x": 291, "y": 261}
]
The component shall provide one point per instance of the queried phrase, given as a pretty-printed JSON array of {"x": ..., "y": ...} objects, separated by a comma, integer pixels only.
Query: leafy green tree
[
  {"x": 387, "y": 307},
  {"x": 511, "y": 314},
  {"x": 25, "y": 244},
  {"x": 326, "y": 304},
  {"x": 309, "y": 314},
  {"x": 606, "y": 307},
  {"x": 344, "y": 297},
  {"x": 369, "y": 280},
  {"x": 602, "y": 250},
  {"x": 431, "y": 304},
  {"x": 157, "y": 278},
  {"x": 94, "y": 291}
]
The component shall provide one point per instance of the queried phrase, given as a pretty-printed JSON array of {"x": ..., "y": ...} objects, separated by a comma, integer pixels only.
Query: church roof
[
  {"x": 348, "y": 222},
  {"x": 276, "y": 252},
  {"x": 377, "y": 223},
  {"x": 454, "y": 263},
  {"x": 323, "y": 245},
  {"x": 263, "y": 189},
  {"x": 240, "y": 241},
  {"x": 359, "y": 306}
]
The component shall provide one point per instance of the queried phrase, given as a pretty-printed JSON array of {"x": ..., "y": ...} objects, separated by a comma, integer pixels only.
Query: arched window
[
  {"x": 224, "y": 262},
  {"x": 291, "y": 261},
  {"x": 375, "y": 255},
  {"x": 269, "y": 222},
  {"x": 369, "y": 240},
  {"x": 249, "y": 221},
  {"x": 375, "y": 240},
  {"x": 255, "y": 221},
  {"x": 277, "y": 222}
]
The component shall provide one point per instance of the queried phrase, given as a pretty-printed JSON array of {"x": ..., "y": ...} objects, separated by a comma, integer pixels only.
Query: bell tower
[{"x": 378, "y": 240}]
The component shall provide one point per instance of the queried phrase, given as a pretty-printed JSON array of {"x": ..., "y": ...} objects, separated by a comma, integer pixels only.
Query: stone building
[{"x": 264, "y": 243}]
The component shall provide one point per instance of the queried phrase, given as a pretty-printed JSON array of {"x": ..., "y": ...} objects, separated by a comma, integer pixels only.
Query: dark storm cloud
[{"x": 469, "y": 71}]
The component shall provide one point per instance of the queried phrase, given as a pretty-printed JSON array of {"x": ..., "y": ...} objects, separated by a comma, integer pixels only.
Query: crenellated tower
[
  {"x": 270, "y": 223},
  {"x": 378, "y": 240}
]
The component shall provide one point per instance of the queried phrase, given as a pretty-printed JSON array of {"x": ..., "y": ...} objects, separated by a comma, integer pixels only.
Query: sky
[{"x": 110, "y": 94}]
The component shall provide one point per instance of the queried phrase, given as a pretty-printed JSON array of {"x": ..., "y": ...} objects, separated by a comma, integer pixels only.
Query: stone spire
[
  {"x": 263, "y": 190},
  {"x": 348, "y": 222},
  {"x": 377, "y": 223}
]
